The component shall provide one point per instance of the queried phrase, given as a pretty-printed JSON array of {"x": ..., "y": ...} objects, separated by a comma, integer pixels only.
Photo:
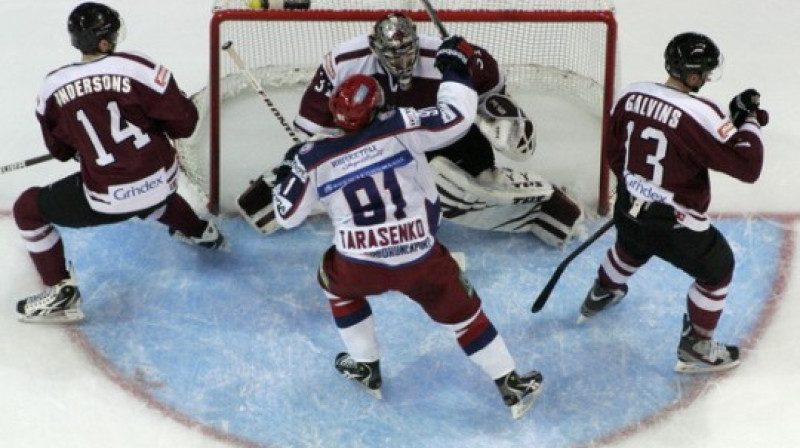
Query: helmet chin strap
[
  {"x": 694, "y": 88},
  {"x": 102, "y": 50}
]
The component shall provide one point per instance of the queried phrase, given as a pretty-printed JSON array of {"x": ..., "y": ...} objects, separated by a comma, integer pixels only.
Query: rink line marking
[
  {"x": 139, "y": 391},
  {"x": 788, "y": 222}
]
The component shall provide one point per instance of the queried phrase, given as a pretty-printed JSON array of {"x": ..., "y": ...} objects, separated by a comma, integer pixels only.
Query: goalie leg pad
[
  {"x": 560, "y": 219},
  {"x": 498, "y": 199},
  {"x": 255, "y": 205},
  {"x": 494, "y": 186},
  {"x": 505, "y": 200}
]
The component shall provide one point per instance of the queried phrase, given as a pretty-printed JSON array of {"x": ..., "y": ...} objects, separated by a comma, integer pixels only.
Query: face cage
[{"x": 400, "y": 63}]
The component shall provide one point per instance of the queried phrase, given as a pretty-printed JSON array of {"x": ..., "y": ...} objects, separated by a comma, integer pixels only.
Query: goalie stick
[
  {"x": 25, "y": 163},
  {"x": 435, "y": 18},
  {"x": 548, "y": 288},
  {"x": 228, "y": 48}
]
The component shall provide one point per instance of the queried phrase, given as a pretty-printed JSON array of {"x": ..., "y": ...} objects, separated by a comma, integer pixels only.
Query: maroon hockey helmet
[{"x": 355, "y": 102}]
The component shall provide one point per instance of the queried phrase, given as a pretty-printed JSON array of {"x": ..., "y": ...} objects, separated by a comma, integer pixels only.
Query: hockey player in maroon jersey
[
  {"x": 664, "y": 139},
  {"x": 474, "y": 191},
  {"x": 376, "y": 185},
  {"x": 115, "y": 113}
]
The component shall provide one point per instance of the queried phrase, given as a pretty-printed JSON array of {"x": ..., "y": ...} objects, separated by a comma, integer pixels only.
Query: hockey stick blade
[
  {"x": 25, "y": 163},
  {"x": 435, "y": 18},
  {"x": 548, "y": 288}
]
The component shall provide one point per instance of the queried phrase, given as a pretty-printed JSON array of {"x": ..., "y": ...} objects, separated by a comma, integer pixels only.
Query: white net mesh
[
  {"x": 558, "y": 52},
  {"x": 412, "y": 5}
]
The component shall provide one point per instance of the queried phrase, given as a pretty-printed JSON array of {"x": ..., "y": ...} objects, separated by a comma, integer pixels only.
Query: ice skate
[
  {"x": 366, "y": 374},
  {"x": 210, "y": 238},
  {"x": 57, "y": 304},
  {"x": 598, "y": 299},
  {"x": 520, "y": 392},
  {"x": 699, "y": 355}
]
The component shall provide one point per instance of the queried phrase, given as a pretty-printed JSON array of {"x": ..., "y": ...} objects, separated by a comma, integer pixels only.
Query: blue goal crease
[{"x": 242, "y": 342}]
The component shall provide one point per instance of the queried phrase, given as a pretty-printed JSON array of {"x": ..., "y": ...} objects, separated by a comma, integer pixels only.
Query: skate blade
[
  {"x": 699, "y": 367},
  {"x": 60, "y": 317},
  {"x": 525, "y": 405},
  {"x": 376, "y": 393},
  {"x": 581, "y": 319}
]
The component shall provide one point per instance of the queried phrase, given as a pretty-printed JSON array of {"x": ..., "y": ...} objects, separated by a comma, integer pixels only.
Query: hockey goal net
[{"x": 562, "y": 46}]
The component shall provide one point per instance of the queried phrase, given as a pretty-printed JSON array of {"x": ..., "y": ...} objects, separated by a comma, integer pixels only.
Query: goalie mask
[
  {"x": 395, "y": 43},
  {"x": 506, "y": 127}
]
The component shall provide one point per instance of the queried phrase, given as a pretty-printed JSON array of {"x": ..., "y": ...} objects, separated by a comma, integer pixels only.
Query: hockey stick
[
  {"x": 435, "y": 18},
  {"x": 228, "y": 47},
  {"x": 25, "y": 163},
  {"x": 548, "y": 288}
]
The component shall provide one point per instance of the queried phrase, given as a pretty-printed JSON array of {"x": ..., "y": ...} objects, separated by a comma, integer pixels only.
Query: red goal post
[{"x": 572, "y": 51}]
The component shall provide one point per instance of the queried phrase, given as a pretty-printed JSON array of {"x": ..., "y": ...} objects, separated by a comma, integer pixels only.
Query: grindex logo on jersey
[{"x": 162, "y": 76}]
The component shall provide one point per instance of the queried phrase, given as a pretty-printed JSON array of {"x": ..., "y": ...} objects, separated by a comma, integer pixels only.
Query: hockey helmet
[
  {"x": 692, "y": 53},
  {"x": 395, "y": 43},
  {"x": 356, "y": 101},
  {"x": 89, "y": 23}
]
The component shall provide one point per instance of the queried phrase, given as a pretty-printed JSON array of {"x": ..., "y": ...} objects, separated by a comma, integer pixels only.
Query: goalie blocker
[{"x": 255, "y": 204}]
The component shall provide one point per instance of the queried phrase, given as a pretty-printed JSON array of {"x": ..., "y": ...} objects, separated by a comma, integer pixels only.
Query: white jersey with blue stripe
[{"x": 375, "y": 184}]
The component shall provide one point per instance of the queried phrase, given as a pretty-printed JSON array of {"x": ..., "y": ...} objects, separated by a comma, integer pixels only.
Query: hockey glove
[
  {"x": 285, "y": 167},
  {"x": 454, "y": 54},
  {"x": 255, "y": 203},
  {"x": 746, "y": 104}
]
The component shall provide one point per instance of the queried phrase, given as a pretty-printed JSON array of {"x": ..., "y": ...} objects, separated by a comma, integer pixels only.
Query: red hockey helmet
[{"x": 355, "y": 102}]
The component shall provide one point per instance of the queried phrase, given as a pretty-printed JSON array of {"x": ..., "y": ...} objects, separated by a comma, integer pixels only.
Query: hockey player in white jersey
[
  {"x": 474, "y": 191},
  {"x": 376, "y": 185}
]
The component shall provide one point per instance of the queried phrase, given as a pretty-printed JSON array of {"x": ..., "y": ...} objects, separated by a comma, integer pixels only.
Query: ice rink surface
[{"x": 141, "y": 372}]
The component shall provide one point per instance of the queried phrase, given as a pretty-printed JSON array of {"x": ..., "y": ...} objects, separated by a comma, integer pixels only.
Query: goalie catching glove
[
  {"x": 255, "y": 203},
  {"x": 506, "y": 127}
]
